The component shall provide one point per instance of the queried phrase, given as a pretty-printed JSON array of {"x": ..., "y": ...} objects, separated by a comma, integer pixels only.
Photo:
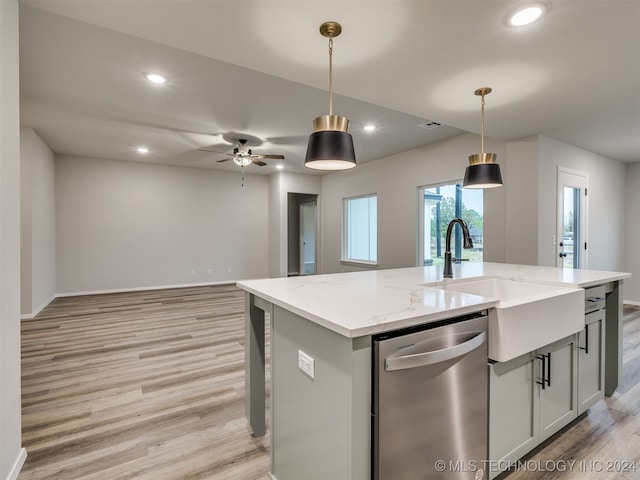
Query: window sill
[{"x": 359, "y": 263}]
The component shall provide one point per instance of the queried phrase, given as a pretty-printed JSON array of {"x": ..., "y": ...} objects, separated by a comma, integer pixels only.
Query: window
[
  {"x": 438, "y": 205},
  {"x": 360, "y": 229}
]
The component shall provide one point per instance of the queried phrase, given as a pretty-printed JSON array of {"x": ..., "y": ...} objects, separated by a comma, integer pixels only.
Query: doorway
[
  {"x": 302, "y": 234},
  {"x": 571, "y": 245},
  {"x": 307, "y": 213}
]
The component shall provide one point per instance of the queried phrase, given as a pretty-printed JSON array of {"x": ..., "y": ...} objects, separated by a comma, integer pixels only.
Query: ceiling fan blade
[
  {"x": 297, "y": 140},
  {"x": 223, "y": 160},
  {"x": 213, "y": 151},
  {"x": 260, "y": 163},
  {"x": 269, "y": 157}
]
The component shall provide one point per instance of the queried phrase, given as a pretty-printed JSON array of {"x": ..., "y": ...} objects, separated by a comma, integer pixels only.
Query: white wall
[
  {"x": 521, "y": 189},
  {"x": 38, "y": 246},
  {"x": 632, "y": 233},
  {"x": 605, "y": 222},
  {"x": 12, "y": 455},
  {"x": 531, "y": 184},
  {"x": 275, "y": 233},
  {"x": 128, "y": 225},
  {"x": 396, "y": 180},
  {"x": 520, "y": 218}
]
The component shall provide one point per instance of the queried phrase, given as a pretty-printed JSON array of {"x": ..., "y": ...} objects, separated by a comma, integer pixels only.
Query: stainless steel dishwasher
[{"x": 429, "y": 409}]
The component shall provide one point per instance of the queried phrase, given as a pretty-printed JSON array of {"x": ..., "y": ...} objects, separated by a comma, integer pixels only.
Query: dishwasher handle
[{"x": 436, "y": 356}]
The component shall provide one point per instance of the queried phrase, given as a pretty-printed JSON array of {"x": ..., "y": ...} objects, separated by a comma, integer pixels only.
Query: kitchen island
[{"x": 320, "y": 350}]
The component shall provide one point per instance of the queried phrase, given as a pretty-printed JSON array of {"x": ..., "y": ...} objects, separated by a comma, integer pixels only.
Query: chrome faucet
[{"x": 467, "y": 243}]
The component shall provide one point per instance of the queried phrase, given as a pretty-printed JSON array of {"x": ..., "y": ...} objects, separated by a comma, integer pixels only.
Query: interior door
[
  {"x": 307, "y": 238},
  {"x": 571, "y": 235}
]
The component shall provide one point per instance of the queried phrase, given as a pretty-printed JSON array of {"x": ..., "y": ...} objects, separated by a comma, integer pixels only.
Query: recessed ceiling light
[
  {"x": 279, "y": 166},
  {"x": 155, "y": 78},
  {"x": 527, "y": 14},
  {"x": 369, "y": 128},
  {"x": 142, "y": 150}
]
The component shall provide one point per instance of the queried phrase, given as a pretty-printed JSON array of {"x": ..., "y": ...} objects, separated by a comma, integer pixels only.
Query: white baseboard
[
  {"x": 31, "y": 316},
  {"x": 635, "y": 304},
  {"x": 142, "y": 289},
  {"x": 17, "y": 465}
]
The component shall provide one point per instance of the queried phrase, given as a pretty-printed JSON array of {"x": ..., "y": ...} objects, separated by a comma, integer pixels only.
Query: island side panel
[
  {"x": 613, "y": 337},
  {"x": 360, "y": 441},
  {"x": 254, "y": 378},
  {"x": 320, "y": 426}
]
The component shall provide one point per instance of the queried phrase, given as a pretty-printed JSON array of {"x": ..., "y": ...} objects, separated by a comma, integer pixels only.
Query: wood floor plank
[
  {"x": 138, "y": 385},
  {"x": 150, "y": 386}
]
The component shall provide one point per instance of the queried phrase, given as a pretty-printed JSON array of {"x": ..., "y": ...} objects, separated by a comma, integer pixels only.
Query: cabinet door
[
  {"x": 513, "y": 426},
  {"x": 591, "y": 361},
  {"x": 557, "y": 369}
]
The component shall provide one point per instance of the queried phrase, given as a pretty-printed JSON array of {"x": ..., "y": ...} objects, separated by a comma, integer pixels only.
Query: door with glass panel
[
  {"x": 571, "y": 235},
  {"x": 437, "y": 206}
]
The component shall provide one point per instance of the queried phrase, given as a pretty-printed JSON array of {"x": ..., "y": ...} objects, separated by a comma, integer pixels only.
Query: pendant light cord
[
  {"x": 482, "y": 118},
  {"x": 330, "y": 76}
]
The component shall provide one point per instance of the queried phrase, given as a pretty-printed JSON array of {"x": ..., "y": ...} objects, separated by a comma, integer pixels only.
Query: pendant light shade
[
  {"x": 482, "y": 175},
  {"x": 330, "y": 150},
  {"x": 483, "y": 171},
  {"x": 330, "y": 146}
]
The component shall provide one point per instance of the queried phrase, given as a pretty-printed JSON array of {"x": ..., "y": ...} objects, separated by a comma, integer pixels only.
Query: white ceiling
[{"x": 260, "y": 68}]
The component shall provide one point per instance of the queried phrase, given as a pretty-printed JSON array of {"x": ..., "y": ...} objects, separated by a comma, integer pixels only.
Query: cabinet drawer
[
  {"x": 592, "y": 317},
  {"x": 594, "y": 298}
]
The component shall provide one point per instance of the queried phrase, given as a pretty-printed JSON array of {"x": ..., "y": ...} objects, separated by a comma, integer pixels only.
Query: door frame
[
  {"x": 302, "y": 242},
  {"x": 567, "y": 177}
]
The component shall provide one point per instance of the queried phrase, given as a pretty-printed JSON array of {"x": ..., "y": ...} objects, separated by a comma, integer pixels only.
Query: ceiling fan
[{"x": 243, "y": 156}]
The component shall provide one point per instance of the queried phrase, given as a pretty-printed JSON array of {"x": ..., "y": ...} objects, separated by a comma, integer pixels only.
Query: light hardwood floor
[
  {"x": 150, "y": 385},
  {"x": 145, "y": 385}
]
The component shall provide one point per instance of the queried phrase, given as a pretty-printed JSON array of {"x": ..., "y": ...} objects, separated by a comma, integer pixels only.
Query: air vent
[{"x": 430, "y": 125}]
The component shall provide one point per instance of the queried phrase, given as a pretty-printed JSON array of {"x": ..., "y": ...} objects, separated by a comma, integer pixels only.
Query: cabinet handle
[
  {"x": 586, "y": 340},
  {"x": 543, "y": 370},
  {"x": 549, "y": 369}
]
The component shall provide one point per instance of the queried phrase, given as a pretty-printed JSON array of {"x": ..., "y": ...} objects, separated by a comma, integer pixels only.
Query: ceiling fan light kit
[
  {"x": 483, "y": 171},
  {"x": 331, "y": 145},
  {"x": 242, "y": 160},
  {"x": 243, "y": 156}
]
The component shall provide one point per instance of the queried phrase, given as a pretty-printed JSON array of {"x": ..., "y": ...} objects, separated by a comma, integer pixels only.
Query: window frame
[
  {"x": 344, "y": 257},
  {"x": 420, "y": 234}
]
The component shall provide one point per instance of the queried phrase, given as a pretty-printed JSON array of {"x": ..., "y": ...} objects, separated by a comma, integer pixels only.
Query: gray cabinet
[
  {"x": 530, "y": 398},
  {"x": 513, "y": 406},
  {"x": 591, "y": 361},
  {"x": 557, "y": 385}
]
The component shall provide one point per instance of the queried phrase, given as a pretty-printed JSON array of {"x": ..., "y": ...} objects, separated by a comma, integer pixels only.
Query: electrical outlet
[
  {"x": 228, "y": 269},
  {"x": 210, "y": 271},
  {"x": 307, "y": 364},
  {"x": 193, "y": 272}
]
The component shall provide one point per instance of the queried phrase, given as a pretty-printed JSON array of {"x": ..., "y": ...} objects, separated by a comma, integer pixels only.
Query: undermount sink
[{"x": 528, "y": 315}]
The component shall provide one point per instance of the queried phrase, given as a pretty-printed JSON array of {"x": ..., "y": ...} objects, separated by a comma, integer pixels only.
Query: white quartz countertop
[{"x": 365, "y": 303}]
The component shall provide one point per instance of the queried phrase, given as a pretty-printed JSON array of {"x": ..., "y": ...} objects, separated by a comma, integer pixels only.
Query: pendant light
[
  {"x": 483, "y": 171},
  {"x": 330, "y": 146}
]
